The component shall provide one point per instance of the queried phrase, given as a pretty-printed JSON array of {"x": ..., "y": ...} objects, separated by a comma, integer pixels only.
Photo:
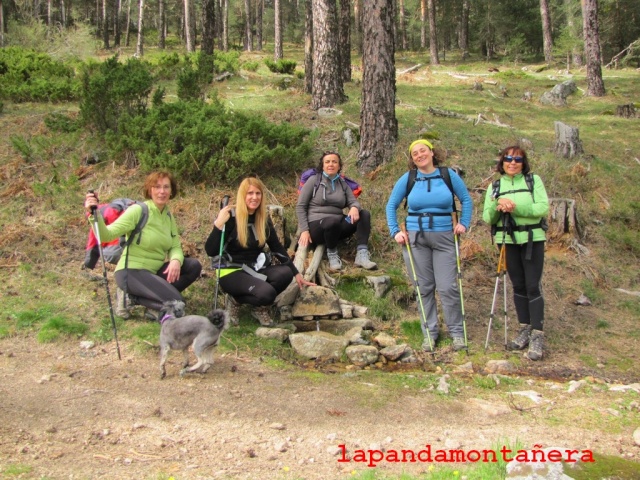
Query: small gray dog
[{"x": 178, "y": 332}]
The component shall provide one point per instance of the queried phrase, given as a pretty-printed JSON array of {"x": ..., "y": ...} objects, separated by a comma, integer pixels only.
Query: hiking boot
[
  {"x": 122, "y": 304},
  {"x": 263, "y": 315},
  {"x": 536, "y": 345},
  {"x": 429, "y": 347},
  {"x": 522, "y": 339},
  {"x": 233, "y": 310},
  {"x": 363, "y": 259},
  {"x": 459, "y": 344},
  {"x": 334, "y": 260}
]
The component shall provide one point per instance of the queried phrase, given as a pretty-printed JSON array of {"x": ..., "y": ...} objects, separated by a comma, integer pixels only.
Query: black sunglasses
[{"x": 509, "y": 159}]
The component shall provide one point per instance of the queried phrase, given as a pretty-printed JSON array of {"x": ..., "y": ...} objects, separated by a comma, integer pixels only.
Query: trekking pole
[
  {"x": 501, "y": 270},
  {"x": 94, "y": 212},
  {"x": 415, "y": 281},
  {"x": 224, "y": 203},
  {"x": 456, "y": 239}
]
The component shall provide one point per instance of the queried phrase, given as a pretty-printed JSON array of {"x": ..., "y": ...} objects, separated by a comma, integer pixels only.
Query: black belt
[{"x": 427, "y": 214}]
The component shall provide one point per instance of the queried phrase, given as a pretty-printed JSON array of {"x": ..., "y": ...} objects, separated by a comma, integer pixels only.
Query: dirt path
[{"x": 73, "y": 413}]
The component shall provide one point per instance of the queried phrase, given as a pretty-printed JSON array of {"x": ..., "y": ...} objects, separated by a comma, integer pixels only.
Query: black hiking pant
[
  {"x": 151, "y": 290},
  {"x": 331, "y": 229},
  {"x": 526, "y": 276}
]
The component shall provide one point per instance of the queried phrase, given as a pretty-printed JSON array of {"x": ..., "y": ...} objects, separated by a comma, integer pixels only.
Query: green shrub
[
  {"x": 281, "y": 66},
  {"x": 167, "y": 66},
  {"x": 112, "y": 89},
  {"x": 251, "y": 66},
  {"x": 58, "y": 122},
  {"x": 196, "y": 74},
  {"x": 29, "y": 76},
  {"x": 226, "y": 61},
  {"x": 197, "y": 140}
]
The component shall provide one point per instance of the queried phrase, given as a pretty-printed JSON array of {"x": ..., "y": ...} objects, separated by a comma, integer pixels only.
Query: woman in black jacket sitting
[{"x": 246, "y": 274}]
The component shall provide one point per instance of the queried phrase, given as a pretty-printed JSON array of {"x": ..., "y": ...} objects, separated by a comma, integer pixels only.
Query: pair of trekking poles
[{"x": 456, "y": 239}]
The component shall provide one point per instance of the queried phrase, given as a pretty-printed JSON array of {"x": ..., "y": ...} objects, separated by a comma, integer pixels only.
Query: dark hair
[
  {"x": 319, "y": 168},
  {"x": 153, "y": 178},
  {"x": 514, "y": 149},
  {"x": 439, "y": 156}
]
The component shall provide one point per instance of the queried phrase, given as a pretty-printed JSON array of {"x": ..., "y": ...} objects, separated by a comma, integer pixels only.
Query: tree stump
[
  {"x": 276, "y": 213},
  {"x": 626, "y": 111},
  {"x": 563, "y": 221},
  {"x": 568, "y": 144}
]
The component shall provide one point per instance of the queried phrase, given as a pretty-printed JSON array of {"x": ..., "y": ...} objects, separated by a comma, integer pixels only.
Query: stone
[
  {"x": 394, "y": 352},
  {"x": 316, "y": 301},
  {"x": 384, "y": 340},
  {"x": 318, "y": 345},
  {"x": 362, "y": 355},
  {"x": 636, "y": 436},
  {"x": 493, "y": 409},
  {"x": 380, "y": 283},
  {"x": 356, "y": 336},
  {"x": 543, "y": 470},
  {"x": 360, "y": 312},
  {"x": 504, "y": 367},
  {"x": 337, "y": 327},
  {"x": 280, "y": 334}
]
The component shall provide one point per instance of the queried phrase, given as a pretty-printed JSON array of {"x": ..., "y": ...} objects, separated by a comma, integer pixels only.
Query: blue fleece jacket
[{"x": 429, "y": 194}]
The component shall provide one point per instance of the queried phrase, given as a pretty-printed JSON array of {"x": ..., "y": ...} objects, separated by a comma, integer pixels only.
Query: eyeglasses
[
  {"x": 509, "y": 159},
  {"x": 161, "y": 187}
]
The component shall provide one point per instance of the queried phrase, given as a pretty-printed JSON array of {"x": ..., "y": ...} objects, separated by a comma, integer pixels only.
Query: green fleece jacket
[
  {"x": 527, "y": 211},
  {"x": 159, "y": 239}
]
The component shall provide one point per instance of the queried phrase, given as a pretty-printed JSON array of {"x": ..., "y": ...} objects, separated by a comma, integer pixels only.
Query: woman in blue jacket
[
  {"x": 430, "y": 231},
  {"x": 518, "y": 205}
]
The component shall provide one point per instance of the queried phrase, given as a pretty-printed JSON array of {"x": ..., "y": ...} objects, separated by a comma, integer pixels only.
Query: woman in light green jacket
[{"x": 517, "y": 207}]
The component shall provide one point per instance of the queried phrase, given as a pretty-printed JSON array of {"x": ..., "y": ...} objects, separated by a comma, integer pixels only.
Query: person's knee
[{"x": 192, "y": 266}]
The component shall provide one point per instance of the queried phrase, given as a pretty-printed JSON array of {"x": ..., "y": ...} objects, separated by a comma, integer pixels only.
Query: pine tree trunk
[
  {"x": 344, "y": 41},
  {"x": 308, "y": 47},
  {"x": 547, "y": 39},
  {"x": 595, "y": 85},
  {"x": 327, "y": 86},
  {"x": 1, "y": 25},
  {"x": 277, "y": 37},
  {"x": 117, "y": 24},
  {"x": 259, "y": 24},
  {"x": 225, "y": 25},
  {"x": 402, "y": 25},
  {"x": 248, "y": 36},
  {"x": 188, "y": 26},
  {"x": 357, "y": 16},
  {"x": 378, "y": 123},
  {"x": 126, "y": 36},
  {"x": 433, "y": 35},
  {"x": 423, "y": 24},
  {"x": 140, "y": 43},
  {"x": 208, "y": 26},
  {"x": 105, "y": 25},
  {"x": 463, "y": 37}
]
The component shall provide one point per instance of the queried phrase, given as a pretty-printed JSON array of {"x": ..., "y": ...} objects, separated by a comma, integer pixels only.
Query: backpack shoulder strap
[
  {"x": 446, "y": 176},
  {"x": 141, "y": 223},
  {"x": 529, "y": 179},
  {"x": 411, "y": 181},
  {"x": 318, "y": 176}
]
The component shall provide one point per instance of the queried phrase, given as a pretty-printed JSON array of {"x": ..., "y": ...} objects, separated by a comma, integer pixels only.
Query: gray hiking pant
[
  {"x": 152, "y": 290},
  {"x": 434, "y": 260}
]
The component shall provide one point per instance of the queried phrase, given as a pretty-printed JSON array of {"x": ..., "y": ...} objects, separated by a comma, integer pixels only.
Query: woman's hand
[
  {"x": 401, "y": 237},
  {"x": 305, "y": 239},
  {"x": 354, "y": 214},
  {"x": 505, "y": 205},
  {"x": 90, "y": 201},
  {"x": 173, "y": 271},
  {"x": 302, "y": 282},
  {"x": 459, "y": 229},
  {"x": 223, "y": 217}
]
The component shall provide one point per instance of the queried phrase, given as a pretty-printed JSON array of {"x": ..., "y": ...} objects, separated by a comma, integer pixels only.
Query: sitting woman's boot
[
  {"x": 233, "y": 310},
  {"x": 263, "y": 315}
]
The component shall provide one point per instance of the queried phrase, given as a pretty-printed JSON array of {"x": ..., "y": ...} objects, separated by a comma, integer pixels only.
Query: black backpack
[{"x": 528, "y": 178}]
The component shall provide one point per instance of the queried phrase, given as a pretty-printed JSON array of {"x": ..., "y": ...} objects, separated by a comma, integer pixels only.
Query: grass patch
[{"x": 60, "y": 326}]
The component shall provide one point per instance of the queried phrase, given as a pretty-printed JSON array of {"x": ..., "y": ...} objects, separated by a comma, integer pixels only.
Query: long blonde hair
[{"x": 242, "y": 214}]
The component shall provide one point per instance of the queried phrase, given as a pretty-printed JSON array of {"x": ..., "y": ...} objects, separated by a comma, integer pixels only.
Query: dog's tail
[{"x": 219, "y": 318}]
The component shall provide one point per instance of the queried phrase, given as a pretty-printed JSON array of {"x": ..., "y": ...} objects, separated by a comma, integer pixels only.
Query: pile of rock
[{"x": 320, "y": 325}]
